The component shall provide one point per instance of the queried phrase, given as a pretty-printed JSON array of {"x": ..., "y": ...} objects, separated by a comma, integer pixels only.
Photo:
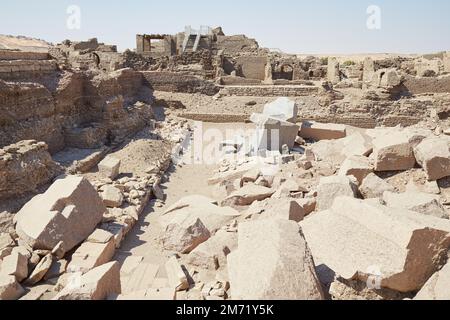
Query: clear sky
[{"x": 294, "y": 26}]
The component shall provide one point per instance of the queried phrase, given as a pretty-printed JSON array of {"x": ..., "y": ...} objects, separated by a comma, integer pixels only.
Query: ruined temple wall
[
  {"x": 179, "y": 82},
  {"x": 420, "y": 85},
  {"x": 252, "y": 67}
]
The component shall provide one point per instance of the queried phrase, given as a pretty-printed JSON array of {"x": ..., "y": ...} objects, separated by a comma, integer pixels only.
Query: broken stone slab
[
  {"x": 433, "y": 155},
  {"x": 332, "y": 187},
  {"x": 68, "y": 211},
  {"x": 100, "y": 236},
  {"x": 272, "y": 134},
  {"x": 189, "y": 201},
  {"x": 212, "y": 254},
  {"x": 247, "y": 195},
  {"x": 6, "y": 222},
  {"x": 112, "y": 196},
  {"x": 395, "y": 248},
  {"x": 283, "y": 266},
  {"x": 357, "y": 144},
  {"x": 58, "y": 268},
  {"x": 282, "y": 208},
  {"x": 109, "y": 167},
  {"x": 374, "y": 187},
  {"x": 357, "y": 166},
  {"x": 184, "y": 233},
  {"x": 10, "y": 289},
  {"x": 416, "y": 201},
  {"x": 141, "y": 278},
  {"x": 393, "y": 150},
  {"x": 36, "y": 292},
  {"x": 97, "y": 284},
  {"x": 437, "y": 287},
  {"x": 90, "y": 255},
  {"x": 322, "y": 131},
  {"x": 15, "y": 265},
  {"x": 308, "y": 205},
  {"x": 250, "y": 176},
  {"x": 40, "y": 271},
  {"x": 282, "y": 108},
  {"x": 177, "y": 277}
]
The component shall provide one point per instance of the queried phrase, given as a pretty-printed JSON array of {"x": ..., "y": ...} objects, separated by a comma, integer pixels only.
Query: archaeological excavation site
[{"x": 201, "y": 165}]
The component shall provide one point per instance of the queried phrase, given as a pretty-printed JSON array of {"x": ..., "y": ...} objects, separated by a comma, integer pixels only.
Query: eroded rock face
[
  {"x": 24, "y": 166},
  {"x": 285, "y": 269},
  {"x": 68, "y": 211},
  {"x": 401, "y": 248}
]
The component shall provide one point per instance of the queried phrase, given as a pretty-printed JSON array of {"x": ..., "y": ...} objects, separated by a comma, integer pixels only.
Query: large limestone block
[
  {"x": 184, "y": 233},
  {"x": 68, "y": 211},
  {"x": 90, "y": 255},
  {"x": 416, "y": 201},
  {"x": 212, "y": 216},
  {"x": 357, "y": 144},
  {"x": 433, "y": 154},
  {"x": 332, "y": 187},
  {"x": 247, "y": 195},
  {"x": 282, "y": 208},
  {"x": 109, "y": 167},
  {"x": 283, "y": 109},
  {"x": 175, "y": 273},
  {"x": 357, "y": 166},
  {"x": 397, "y": 248},
  {"x": 322, "y": 131},
  {"x": 16, "y": 265},
  {"x": 97, "y": 284},
  {"x": 10, "y": 289},
  {"x": 393, "y": 152},
  {"x": 212, "y": 253},
  {"x": 374, "y": 187},
  {"x": 272, "y": 134},
  {"x": 272, "y": 262},
  {"x": 437, "y": 287}
]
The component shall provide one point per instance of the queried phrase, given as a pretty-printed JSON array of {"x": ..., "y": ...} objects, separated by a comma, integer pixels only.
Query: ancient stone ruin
[{"x": 201, "y": 166}]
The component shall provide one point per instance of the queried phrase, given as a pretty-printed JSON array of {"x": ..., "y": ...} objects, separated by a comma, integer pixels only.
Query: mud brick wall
[
  {"x": 21, "y": 55},
  {"x": 270, "y": 91},
  {"x": 418, "y": 85},
  {"x": 178, "y": 82}
]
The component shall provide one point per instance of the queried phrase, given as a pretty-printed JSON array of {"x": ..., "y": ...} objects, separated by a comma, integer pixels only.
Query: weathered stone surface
[
  {"x": 433, "y": 154},
  {"x": 100, "y": 236},
  {"x": 16, "y": 265},
  {"x": 24, "y": 166},
  {"x": 437, "y": 287},
  {"x": 68, "y": 211},
  {"x": 272, "y": 134},
  {"x": 90, "y": 255},
  {"x": 308, "y": 205},
  {"x": 402, "y": 248},
  {"x": 212, "y": 253},
  {"x": 189, "y": 201},
  {"x": 247, "y": 195},
  {"x": 357, "y": 166},
  {"x": 40, "y": 270},
  {"x": 6, "y": 222},
  {"x": 394, "y": 151},
  {"x": 357, "y": 144},
  {"x": 283, "y": 208},
  {"x": 177, "y": 278},
  {"x": 109, "y": 167},
  {"x": 322, "y": 131},
  {"x": 58, "y": 268},
  {"x": 285, "y": 269},
  {"x": 112, "y": 197},
  {"x": 10, "y": 289},
  {"x": 416, "y": 201},
  {"x": 332, "y": 187},
  {"x": 184, "y": 233},
  {"x": 283, "y": 109},
  {"x": 374, "y": 187},
  {"x": 97, "y": 284}
]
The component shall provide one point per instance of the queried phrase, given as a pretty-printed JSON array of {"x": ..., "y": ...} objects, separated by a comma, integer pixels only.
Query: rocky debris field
[{"x": 324, "y": 211}]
